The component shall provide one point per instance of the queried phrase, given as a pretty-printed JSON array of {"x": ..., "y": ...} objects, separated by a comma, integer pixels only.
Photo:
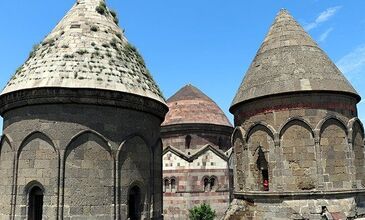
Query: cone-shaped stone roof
[
  {"x": 87, "y": 49},
  {"x": 290, "y": 61},
  {"x": 191, "y": 106}
]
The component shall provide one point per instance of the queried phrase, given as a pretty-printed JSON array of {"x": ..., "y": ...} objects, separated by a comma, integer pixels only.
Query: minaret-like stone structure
[
  {"x": 298, "y": 143},
  {"x": 197, "y": 154},
  {"x": 81, "y": 135}
]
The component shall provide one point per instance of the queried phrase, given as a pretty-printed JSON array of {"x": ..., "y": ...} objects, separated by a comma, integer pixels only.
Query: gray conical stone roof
[
  {"x": 86, "y": 49},
  {"x": 290, "y": 61}
]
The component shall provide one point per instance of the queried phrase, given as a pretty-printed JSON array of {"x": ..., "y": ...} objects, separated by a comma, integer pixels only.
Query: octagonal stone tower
[
  {"x": 298, "y": 143},
  {"x": 82, "y": 116},
  {"x": 197, "y": 152}
]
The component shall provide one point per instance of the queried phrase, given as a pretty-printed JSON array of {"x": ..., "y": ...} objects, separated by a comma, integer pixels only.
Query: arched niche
[
  {"x": 6, "y": 176},
  {"x": 334, "y": 148},
  {"x": 88, "y": 177},
  {"x": 261, "y": 158},
  {"x": 37, "y": 161},
  {"x": 134, "y": 167},
  {"x": 358, "y": 148},
  {"x": 298, "y": 147},
  {"x": 241, "y": 159}
]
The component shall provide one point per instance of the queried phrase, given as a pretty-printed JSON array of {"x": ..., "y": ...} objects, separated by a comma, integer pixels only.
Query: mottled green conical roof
[
  {"x": 290, "y": 61},
  {"x": 87, "y": 49}
]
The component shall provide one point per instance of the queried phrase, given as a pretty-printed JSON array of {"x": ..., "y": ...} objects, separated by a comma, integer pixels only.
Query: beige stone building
[
  {"x": 196, "y": 157},
  {"x": 78, "y": 115},
  {"x": 298, "y": 143}
]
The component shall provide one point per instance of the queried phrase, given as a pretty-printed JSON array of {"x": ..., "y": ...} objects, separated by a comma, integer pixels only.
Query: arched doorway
[
  {"x": 134, "y": 203},
  {"x": 35, "y": 205}
]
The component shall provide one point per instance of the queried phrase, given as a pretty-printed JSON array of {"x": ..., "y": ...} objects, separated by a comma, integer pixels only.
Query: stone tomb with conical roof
[
  {"x": 81, "y": 136},
  {"x": 197, "y": 152},
  {"x": 299, "y": 146}
]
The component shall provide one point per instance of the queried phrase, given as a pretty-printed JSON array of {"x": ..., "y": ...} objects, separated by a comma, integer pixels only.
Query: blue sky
[{"x": 208, "y": 43}]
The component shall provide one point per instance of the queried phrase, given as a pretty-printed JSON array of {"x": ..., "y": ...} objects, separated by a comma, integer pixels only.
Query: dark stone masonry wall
[
  {"x": 86, "y": 158},
  {"x": 313, "y": 145}
]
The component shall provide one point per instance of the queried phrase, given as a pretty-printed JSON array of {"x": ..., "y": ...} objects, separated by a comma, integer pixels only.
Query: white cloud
[
  {"x": 353, "y": 63},
  {"x": 323, "y": 17},
  {"x": 325, "y": 34}
]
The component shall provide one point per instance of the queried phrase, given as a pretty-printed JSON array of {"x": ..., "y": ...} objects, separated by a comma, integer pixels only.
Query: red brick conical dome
[{"x": 191, "y": 106}]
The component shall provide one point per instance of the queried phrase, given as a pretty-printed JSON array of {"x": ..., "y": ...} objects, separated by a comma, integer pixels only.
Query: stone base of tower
[{"x": 313, "y": 205}]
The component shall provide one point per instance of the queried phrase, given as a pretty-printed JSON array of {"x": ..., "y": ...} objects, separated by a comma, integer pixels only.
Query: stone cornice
[
  {"x": 188, "y": 128},
  {"x": 298, "y": 195},
  {"x": 39, "y": 96}
]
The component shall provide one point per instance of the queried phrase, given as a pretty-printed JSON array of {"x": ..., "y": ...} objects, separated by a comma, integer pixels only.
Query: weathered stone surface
[
  {"x": 82, "y": 124},
  {"x": 297, "y": 109},
  {"x": 88, "y": 151},
  {"x": 290, "y": 61},
  {"x": 86, "y": 49}
]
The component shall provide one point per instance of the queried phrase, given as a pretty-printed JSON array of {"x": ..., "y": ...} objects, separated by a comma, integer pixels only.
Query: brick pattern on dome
[
  {"x": 190, "y": 105},
  {"x": 87, "y": 49},
  {"x": 290, "y": 61}
]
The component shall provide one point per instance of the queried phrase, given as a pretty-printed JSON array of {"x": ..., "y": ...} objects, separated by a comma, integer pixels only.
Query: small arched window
[
  {"x": 212, "y": 183},
  {"x": 166, "y": 185},
  {"x": 173, "y": 185},
  {"x": 187, "y": 141},
  {"x": 206, "y": 184},
  {"x": 35, "y": 203}
]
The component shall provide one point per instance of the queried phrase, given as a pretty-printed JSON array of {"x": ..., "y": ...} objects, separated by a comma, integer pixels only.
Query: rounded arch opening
[
  {"x": 166, "y": 184},
  {"x": 206, "y": 183},
  {"x": 35, "y": 202},
  {"x": 213, "y": 183}
]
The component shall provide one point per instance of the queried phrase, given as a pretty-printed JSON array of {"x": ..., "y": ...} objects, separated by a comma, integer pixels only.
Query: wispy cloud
[
  {"x": 353, "y": 63},
  {"x": 325, "y": 34},
  {"x": 323, "y": 17}
]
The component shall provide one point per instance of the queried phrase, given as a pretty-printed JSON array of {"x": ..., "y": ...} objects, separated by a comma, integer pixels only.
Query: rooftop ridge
[{"x": 189, "y": 92}]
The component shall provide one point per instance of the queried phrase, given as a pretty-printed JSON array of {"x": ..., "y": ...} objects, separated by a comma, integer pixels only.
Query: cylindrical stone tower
[
  {"x": 82, "y": 116},
  {"x": 298, "y": 143},
  {"x": 197, "y": 152}
]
